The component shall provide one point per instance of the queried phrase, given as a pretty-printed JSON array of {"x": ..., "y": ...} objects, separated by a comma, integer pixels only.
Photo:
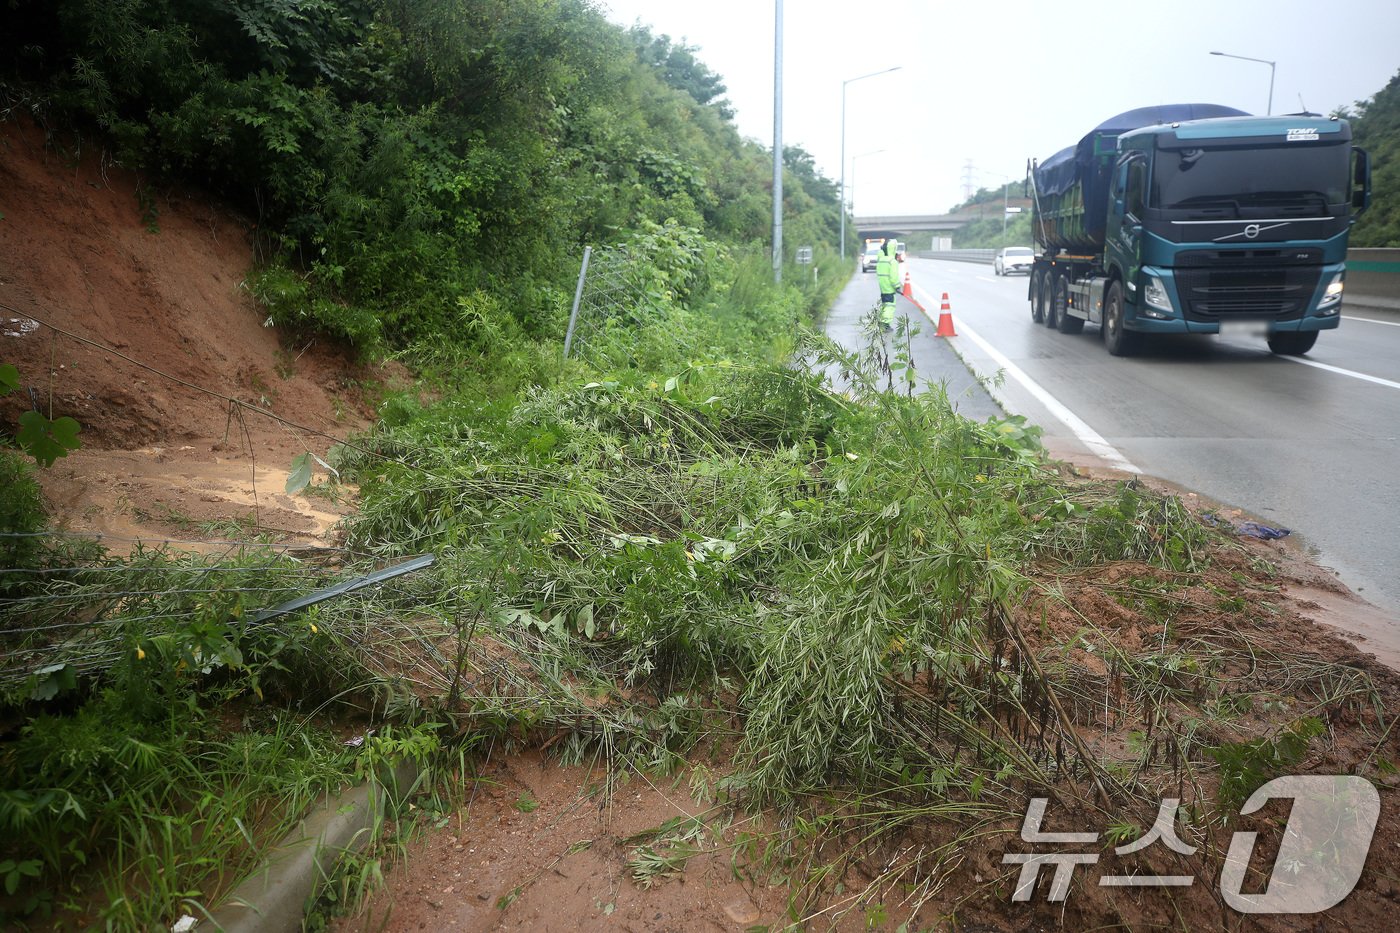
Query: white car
[
  {"x": 871, "y": 257},
  {"x": 1011, "y": 259}
]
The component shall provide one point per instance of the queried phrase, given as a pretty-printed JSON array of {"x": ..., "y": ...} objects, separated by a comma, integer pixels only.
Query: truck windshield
[{"x": 1302, "y": 180}]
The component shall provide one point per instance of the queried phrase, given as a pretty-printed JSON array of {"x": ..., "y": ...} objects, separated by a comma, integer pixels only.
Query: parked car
[
  {"x": 872, "y": 256},
  {"x": 1011, "y": 259}
]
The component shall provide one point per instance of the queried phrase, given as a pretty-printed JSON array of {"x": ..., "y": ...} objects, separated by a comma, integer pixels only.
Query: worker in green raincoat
[{"x": 887, "y": 273}]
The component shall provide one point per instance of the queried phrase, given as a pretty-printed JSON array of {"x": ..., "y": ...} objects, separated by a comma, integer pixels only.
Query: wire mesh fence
[
  {"x": 611, "y": 281},
  {"x": 81, "y": 615}
]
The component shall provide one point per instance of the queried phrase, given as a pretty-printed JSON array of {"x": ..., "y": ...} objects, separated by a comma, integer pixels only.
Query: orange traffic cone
[
  {"x": 908, "y": 286},
  {"x": 945, "y": 320}
]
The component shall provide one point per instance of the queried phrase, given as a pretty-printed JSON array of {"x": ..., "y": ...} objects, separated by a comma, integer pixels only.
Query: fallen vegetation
[{"x": 710, "y": 546}]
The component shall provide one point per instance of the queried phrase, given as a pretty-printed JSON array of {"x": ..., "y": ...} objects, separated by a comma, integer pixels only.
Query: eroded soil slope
[{"x": 156, "y": 275}]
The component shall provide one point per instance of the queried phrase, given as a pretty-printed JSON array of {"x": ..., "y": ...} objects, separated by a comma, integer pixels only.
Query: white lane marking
[
  {"x": 1344, "y": 372},
  {"x": 1370, "y": 320},
  {"x": 1087, "y": 435}
]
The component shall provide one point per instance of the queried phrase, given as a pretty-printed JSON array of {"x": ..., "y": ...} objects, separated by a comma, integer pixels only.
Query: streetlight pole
[
  {"x": 1005, "y": 188},
  {"x": 1262, "y": 61},
  {"x": 843, "y": 146},
  {"x": 778, "y": 142}
]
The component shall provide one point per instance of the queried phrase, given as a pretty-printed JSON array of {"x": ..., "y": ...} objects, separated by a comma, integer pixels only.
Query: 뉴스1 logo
[
  {"x": 1302, "y": 134},
  {"x": 1324, "y": 848}
]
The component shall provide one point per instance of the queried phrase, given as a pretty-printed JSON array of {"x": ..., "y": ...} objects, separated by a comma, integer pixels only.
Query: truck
[{"x": 1197, "y": 219}]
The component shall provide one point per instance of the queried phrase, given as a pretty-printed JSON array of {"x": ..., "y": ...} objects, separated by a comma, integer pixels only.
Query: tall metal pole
[
  {"x": 843, "y": 168},
  {"x": 843, "y": 146},
  {"x": 778, "y": 141},
  {"x": 1006, "y": 186},
  {"x": 1262, "y": 61},
  {"x": 578, "y": 294},
  {"x": 1005, "y": 193}
]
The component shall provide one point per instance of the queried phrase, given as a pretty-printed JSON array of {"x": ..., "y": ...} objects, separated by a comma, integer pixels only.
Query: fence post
[{"x": 578, "y": 295}]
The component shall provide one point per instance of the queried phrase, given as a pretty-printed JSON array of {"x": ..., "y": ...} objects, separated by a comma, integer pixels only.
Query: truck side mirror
[{"x": 1360, "y": 179}]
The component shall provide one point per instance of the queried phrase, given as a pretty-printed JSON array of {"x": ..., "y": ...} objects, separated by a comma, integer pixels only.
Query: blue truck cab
[{"x": 1198, "y": 219}]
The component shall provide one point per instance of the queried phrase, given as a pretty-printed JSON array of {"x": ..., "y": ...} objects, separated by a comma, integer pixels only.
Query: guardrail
[
  {"x": 1373, "y": 275},
  {"x": 983, "y": 256}
]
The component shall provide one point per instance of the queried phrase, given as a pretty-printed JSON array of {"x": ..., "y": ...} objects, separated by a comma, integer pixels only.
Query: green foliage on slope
[
  {"x": 1376, "y": 128},
  {"x": 408, "y": 158}
]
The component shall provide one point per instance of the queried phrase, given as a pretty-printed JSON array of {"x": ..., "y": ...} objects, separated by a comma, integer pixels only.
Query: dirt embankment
[{"x": 158, "y": 276}]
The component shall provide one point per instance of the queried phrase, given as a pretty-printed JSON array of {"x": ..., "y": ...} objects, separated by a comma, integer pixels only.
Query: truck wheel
[
  {"x": 1065, "y": 322},
  {"x": 1120, "y": 342},
  {"x": 1292, "y": 343},
  {"x": 1047, "y": 298},
  {"x": 1037, "y": 302}
]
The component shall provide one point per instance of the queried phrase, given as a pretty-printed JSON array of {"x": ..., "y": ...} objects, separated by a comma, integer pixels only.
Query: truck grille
[{"x": 1280, "y": 292}]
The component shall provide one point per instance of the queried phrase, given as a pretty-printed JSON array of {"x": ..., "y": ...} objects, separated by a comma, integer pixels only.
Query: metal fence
[
  {"x": 608, "y": 287},
  {"x": 75, "y": 612},
  {"x": 983, "y": 256}
]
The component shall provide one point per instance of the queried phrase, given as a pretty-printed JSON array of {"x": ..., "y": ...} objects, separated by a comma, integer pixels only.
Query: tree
[
  {"x": 1376, "y": 129},
  {"x": 678, "y": 67}
]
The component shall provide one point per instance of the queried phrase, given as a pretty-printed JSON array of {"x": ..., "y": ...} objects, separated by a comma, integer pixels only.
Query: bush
[{"x": 22, "y": 514}]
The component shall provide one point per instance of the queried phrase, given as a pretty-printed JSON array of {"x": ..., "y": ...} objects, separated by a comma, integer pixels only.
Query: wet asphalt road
[
  {"x": 934, "y": 359},
  {"x": 1298, "y": 445}
]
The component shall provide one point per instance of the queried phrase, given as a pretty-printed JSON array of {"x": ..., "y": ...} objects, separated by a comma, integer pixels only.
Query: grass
[
  {"x": 164, "y": 744},
  {"x": 887, "y": 611},
  {"x": 894, "y": 622}
]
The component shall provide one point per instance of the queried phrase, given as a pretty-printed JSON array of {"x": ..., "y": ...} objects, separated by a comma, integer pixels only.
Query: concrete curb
[{"x": 275, "y": 897}]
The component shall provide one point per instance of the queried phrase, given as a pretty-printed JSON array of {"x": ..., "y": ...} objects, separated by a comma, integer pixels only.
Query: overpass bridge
[{"x": 890, "y": 225}]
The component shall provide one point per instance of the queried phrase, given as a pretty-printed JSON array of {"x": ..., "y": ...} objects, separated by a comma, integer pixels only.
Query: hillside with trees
[
  {"x": 988, "y": 231},
  {"x": 408, "y": 162},
  {"x": 1376, "y": 128}
]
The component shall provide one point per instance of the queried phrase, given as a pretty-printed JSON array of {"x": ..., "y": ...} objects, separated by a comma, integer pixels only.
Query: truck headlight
[
  {"x": 1155, "y": 296},
  {"x": 1333, "y": 295}
]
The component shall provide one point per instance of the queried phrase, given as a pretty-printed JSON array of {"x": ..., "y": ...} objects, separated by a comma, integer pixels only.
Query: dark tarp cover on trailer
[
  {"x": 1058, "y": 173},
  {"x": 1086, "y": 162}
]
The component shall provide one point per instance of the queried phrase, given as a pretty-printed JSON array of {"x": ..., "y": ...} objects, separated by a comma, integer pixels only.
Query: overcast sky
[{"x": 994, "y": 83}]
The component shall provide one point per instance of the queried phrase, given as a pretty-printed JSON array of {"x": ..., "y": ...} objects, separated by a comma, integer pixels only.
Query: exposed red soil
[
  {"x": 545, "y": 847},
  {"x": 167, "y": 289}
]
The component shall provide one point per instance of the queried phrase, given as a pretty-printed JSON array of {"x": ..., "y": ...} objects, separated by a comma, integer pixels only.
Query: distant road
[{"x": 1313, "y": 446}]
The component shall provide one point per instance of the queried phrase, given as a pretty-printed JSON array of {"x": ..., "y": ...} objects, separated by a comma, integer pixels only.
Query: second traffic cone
[
  {"x": 945, "y": 320},
  {"x": 908, "y": 286}
]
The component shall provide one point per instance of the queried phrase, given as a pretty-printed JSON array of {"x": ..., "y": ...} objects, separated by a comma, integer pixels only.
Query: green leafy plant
[
  {"x": 44, "y": 439},
  {"x": 1245, "y": 766}
]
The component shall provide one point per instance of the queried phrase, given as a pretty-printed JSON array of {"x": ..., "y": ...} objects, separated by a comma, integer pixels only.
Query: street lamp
[
  {"x": 843, "y": 146},
  {"x": 1005, "y": 188},
  {"x": 855, "y": 160},
  {"x": 1262, "y": 61}
]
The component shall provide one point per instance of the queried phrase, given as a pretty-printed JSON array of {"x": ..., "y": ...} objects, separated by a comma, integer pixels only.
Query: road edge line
[{"x": 1093, "y": 440}]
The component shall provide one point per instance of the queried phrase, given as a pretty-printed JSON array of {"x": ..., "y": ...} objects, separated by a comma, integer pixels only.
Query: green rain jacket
[{"x": 887, "y": 269}]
